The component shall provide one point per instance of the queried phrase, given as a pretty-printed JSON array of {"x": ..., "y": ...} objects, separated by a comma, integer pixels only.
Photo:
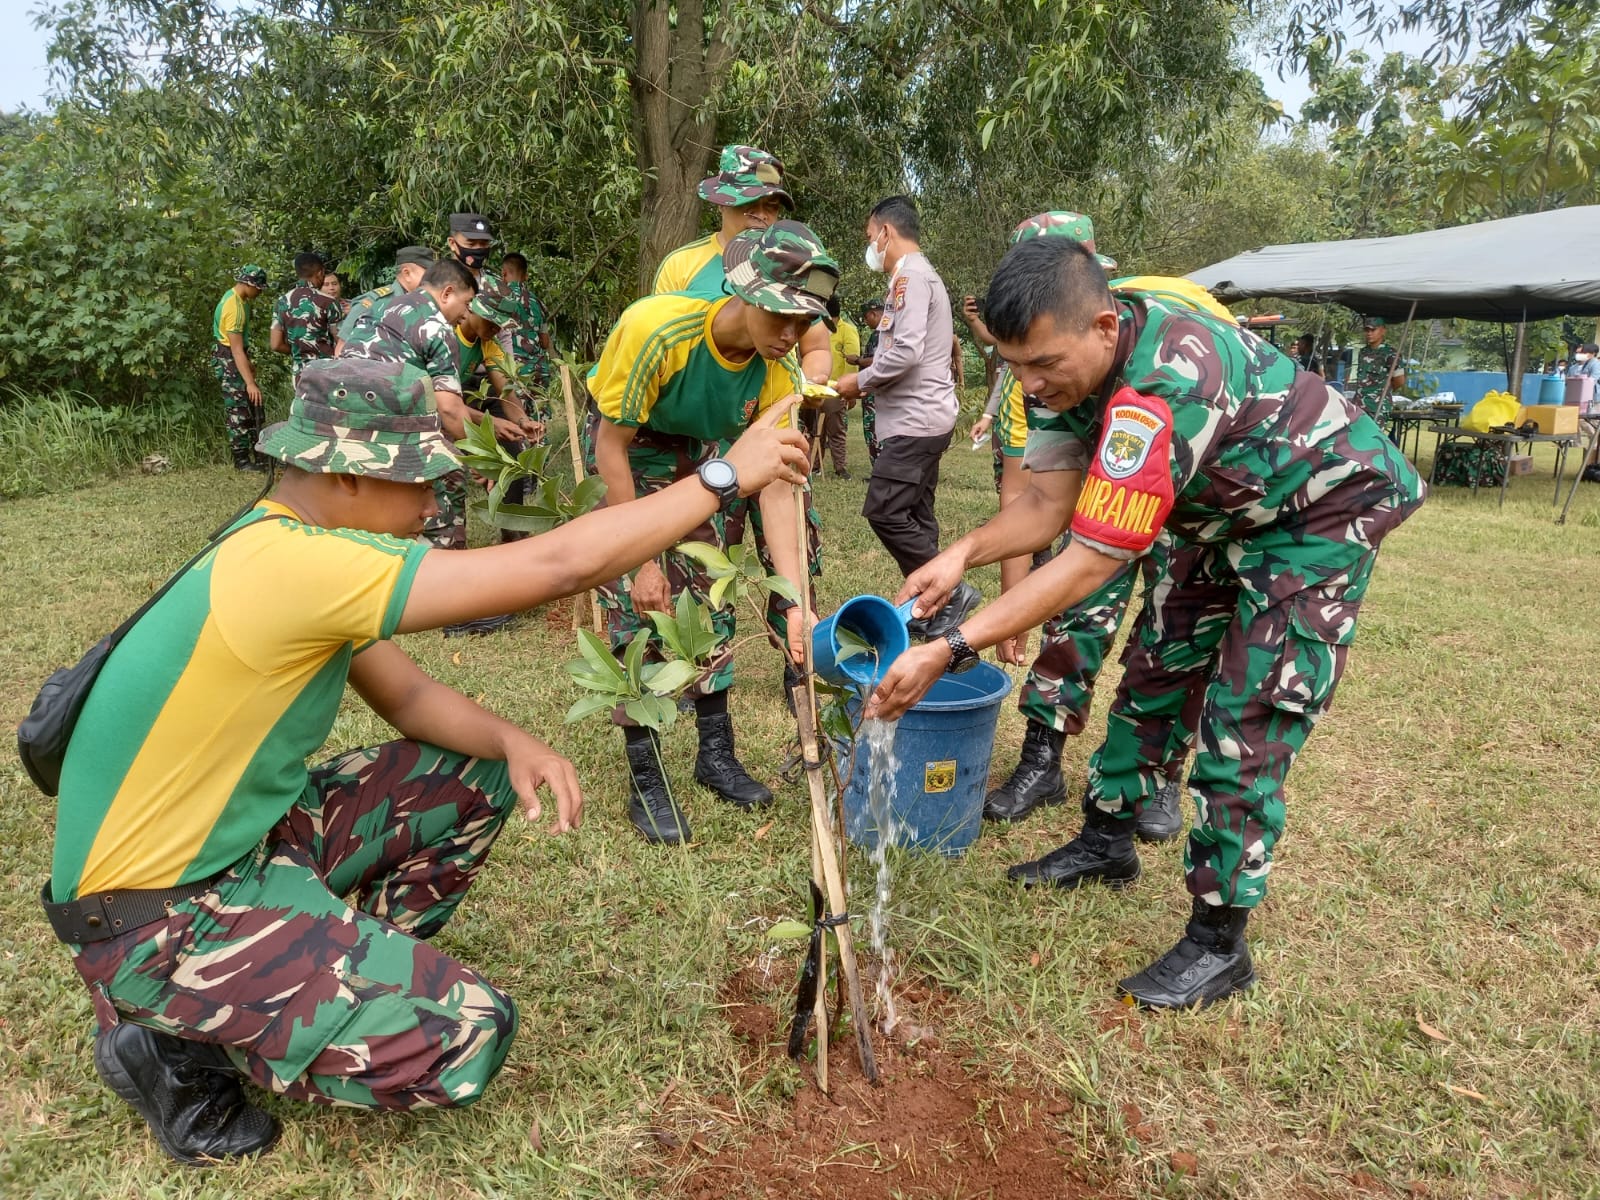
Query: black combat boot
[
  {"x": 1160, "y": 818},
  {"x": 243, "y": 460},
  {"x": 716, "y": 767},
  {"x": 1036, "y": 781},
  {"x": 651, "y": 807},
  {"x": 957, "y": 609},
  {"x": 1102, "y": 853},
  {"x": 482, "y": 627},
  {"x": 187, "y": 1092},
  {"x": 1209, "y": 962}
]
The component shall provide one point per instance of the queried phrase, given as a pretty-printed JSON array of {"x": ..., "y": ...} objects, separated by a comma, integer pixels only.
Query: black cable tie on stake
[{"x": 830, "y": 921}]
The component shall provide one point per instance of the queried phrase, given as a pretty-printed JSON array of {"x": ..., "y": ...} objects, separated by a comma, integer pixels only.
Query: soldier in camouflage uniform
[
  {"x": 531, "y": 346},
  {"x": 304, "y": 319},
  {"x": 419, "y": 328},
  {"x": 1377, "y": 373},
  {"x": 230, "y": 360},
  {"x": 871, "y": 318},
  {"x": 410, "y": 264},
  {"x": 1275, "y": 492},
  {"x": 679, "y": 376},
  {"x": 240, "y": 918},
  {"x": 748, "y": 193}
]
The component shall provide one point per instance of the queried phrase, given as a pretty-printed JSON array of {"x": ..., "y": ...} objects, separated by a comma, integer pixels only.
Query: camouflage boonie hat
[
  {"x": 253, "y": 275},
  {"x": 497, "y": 309},
  {"x": 1060, "y": 223},
  {"x": 362, "y": 416},
  {"x": 472, "y": 225},
  {"x": 745, "y": 174},
  {"x": 784, "y": 269}
]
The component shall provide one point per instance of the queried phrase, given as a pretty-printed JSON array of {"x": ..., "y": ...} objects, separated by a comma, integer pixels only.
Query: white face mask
[
  {"x": 1581, "y": 357},
  {"x": 874, "y": 257}
]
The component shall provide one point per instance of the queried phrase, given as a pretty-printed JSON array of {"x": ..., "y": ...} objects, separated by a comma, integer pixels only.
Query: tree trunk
[{"x": 677, "y": 69}]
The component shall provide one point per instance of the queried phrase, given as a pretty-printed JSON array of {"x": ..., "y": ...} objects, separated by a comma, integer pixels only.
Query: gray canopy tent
[{"x": 1516, "y": 269}]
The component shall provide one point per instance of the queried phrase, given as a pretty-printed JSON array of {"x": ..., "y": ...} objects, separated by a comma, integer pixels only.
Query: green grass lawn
[{"x": 1428, "y": 1021}]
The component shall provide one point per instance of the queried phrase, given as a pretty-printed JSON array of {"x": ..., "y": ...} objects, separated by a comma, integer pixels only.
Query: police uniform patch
[
  {"x": 899, "y": 300},
  {"x": 1128, "y": 436}
]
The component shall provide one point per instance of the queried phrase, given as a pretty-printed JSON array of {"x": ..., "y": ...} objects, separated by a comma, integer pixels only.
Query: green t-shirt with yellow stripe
[
  {"x": 662, "y": 370},
  {"x": 193, "y": 742},
  {"x": 694, "y": 269}
]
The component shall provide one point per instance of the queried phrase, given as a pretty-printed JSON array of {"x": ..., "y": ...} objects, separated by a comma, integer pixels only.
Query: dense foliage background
[{"x": 187, "y": 136}]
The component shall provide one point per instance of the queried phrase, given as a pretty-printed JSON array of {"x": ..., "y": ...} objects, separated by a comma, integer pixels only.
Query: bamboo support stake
[
  {"x": 823, "y": 845},
  {"x": 577, "y": 477}
]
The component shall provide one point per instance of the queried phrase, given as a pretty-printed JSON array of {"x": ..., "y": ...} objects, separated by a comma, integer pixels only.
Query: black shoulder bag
[{"x": 44, "y": 733}]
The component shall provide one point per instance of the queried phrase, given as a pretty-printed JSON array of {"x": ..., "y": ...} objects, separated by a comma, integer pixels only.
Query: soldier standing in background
[
  {"x": 304, "y": 318},
  {"x": 411, "y": 263},
  {"x": 1378, "y": 372},
  {"x": 230, "y": 360}
]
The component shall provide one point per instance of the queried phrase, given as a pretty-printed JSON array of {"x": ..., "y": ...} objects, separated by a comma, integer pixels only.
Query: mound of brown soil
[{"x": 933, "y": 1127}]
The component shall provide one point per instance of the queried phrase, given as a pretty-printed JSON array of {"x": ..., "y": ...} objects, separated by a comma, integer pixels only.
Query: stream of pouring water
[{"x": 882, "y": 763}]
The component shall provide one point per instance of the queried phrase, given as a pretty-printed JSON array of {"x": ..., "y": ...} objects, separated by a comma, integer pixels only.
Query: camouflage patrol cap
[
  {"x": 1060, "y": 223},
  {"x": 472, "y": 225},
  {"x": 784, "y": 269},
  {"x": 253, "y": 275},
  {"x": 361, "y": 416},
  {"x": 414, "y": 256},
  {"x": 745, "y": 174},
  {"x": 1374, "y": 323}
]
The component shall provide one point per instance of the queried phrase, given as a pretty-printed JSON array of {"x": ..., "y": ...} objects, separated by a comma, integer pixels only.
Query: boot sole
[
  {"x": 743, "y": 805},
  {"x": 1117, "y": 884},
  {"x": 1048, "y": 802},
  {"x": 115, "y": 1077},
  {"x": 1154, "y": 838},
  {"x": 1205, "y": 999}
]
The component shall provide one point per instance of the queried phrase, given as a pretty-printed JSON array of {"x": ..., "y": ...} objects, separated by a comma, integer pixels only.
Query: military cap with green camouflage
[
  {"x": 744, "y": 175},
  {"x": 253, "y": 275},
  {"x": 363, "y": 417},
  {"x": 784, "y": 269},
  {"x": 1060, "y": 223}
]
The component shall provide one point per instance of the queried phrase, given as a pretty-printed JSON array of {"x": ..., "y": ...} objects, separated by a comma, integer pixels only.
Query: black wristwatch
[
  {"x": 721, "y": 480},
  {"x": 962, "y": 656}
]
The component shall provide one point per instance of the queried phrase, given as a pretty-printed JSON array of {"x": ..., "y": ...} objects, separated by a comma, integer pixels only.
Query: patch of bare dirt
[{"x": 934, "y": 1126}]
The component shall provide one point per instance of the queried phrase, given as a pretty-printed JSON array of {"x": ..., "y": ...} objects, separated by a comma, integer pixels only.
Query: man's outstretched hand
[
  {"x": 764, "y": 453},
  {"x": 932, "y": 583},
  {"x": 908, "y": 680}
]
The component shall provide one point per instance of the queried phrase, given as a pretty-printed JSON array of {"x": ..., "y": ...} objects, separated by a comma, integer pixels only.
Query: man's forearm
[
  {"x": 778, "y": 517},
  {"x": 1062, "y": 582},
  {"x": 452, "y": 413},
  {"x": 1028, "y": 524},
  {"x": 241, "y": 359}
]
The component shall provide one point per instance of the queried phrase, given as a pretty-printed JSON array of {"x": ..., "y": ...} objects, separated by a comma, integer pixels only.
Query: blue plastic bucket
[
  {"x": 943, "y": 745},
  {"x": 872, "y": 619},
  {"x": 1553, "y": 390}
]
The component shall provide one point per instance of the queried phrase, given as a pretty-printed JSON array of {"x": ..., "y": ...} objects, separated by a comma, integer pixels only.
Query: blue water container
[
  {"x": 943, "y": 745},
  {"x": 875, "y": 621},
  {"x": 1553, "y": 389}
]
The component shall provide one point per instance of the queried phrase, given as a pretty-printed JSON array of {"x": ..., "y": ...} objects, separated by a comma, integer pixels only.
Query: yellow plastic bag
[{"x": 1496, "y": 408}]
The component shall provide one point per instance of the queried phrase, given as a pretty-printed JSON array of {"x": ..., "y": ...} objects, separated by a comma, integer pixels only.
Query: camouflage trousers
[
  {"x": 1225, "y": 648},
  {"x": 447, "y": 529},
  {"x": 658, "y": 461},
  {"x": 869, "y": 427},
  {"x": 317, "y": 999},
  {"x": 240, "y": 418}
]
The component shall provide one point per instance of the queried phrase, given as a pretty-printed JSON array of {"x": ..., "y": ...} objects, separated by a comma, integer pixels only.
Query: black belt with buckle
[{"x": 105, "y": 915}]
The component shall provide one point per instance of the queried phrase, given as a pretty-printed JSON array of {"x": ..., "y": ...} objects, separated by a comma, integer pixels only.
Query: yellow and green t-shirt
[
  {"x": 661, "y": 369},
  {"x": 694, "y": 269},
  {"x": 1011, "y": 422},
  {"x": 232, "y": 315},
  {"x": 193, "y": 742},
  {"x": 1175, "y": 290},
  {"x": 489, "y": 352}
]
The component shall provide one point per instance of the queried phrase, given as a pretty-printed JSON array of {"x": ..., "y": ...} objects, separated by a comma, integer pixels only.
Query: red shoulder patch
[{"x": 1127, "y": 493}]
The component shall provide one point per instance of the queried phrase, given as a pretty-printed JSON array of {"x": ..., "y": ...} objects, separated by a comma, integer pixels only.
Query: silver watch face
[{"x": 718, "y": 473}]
